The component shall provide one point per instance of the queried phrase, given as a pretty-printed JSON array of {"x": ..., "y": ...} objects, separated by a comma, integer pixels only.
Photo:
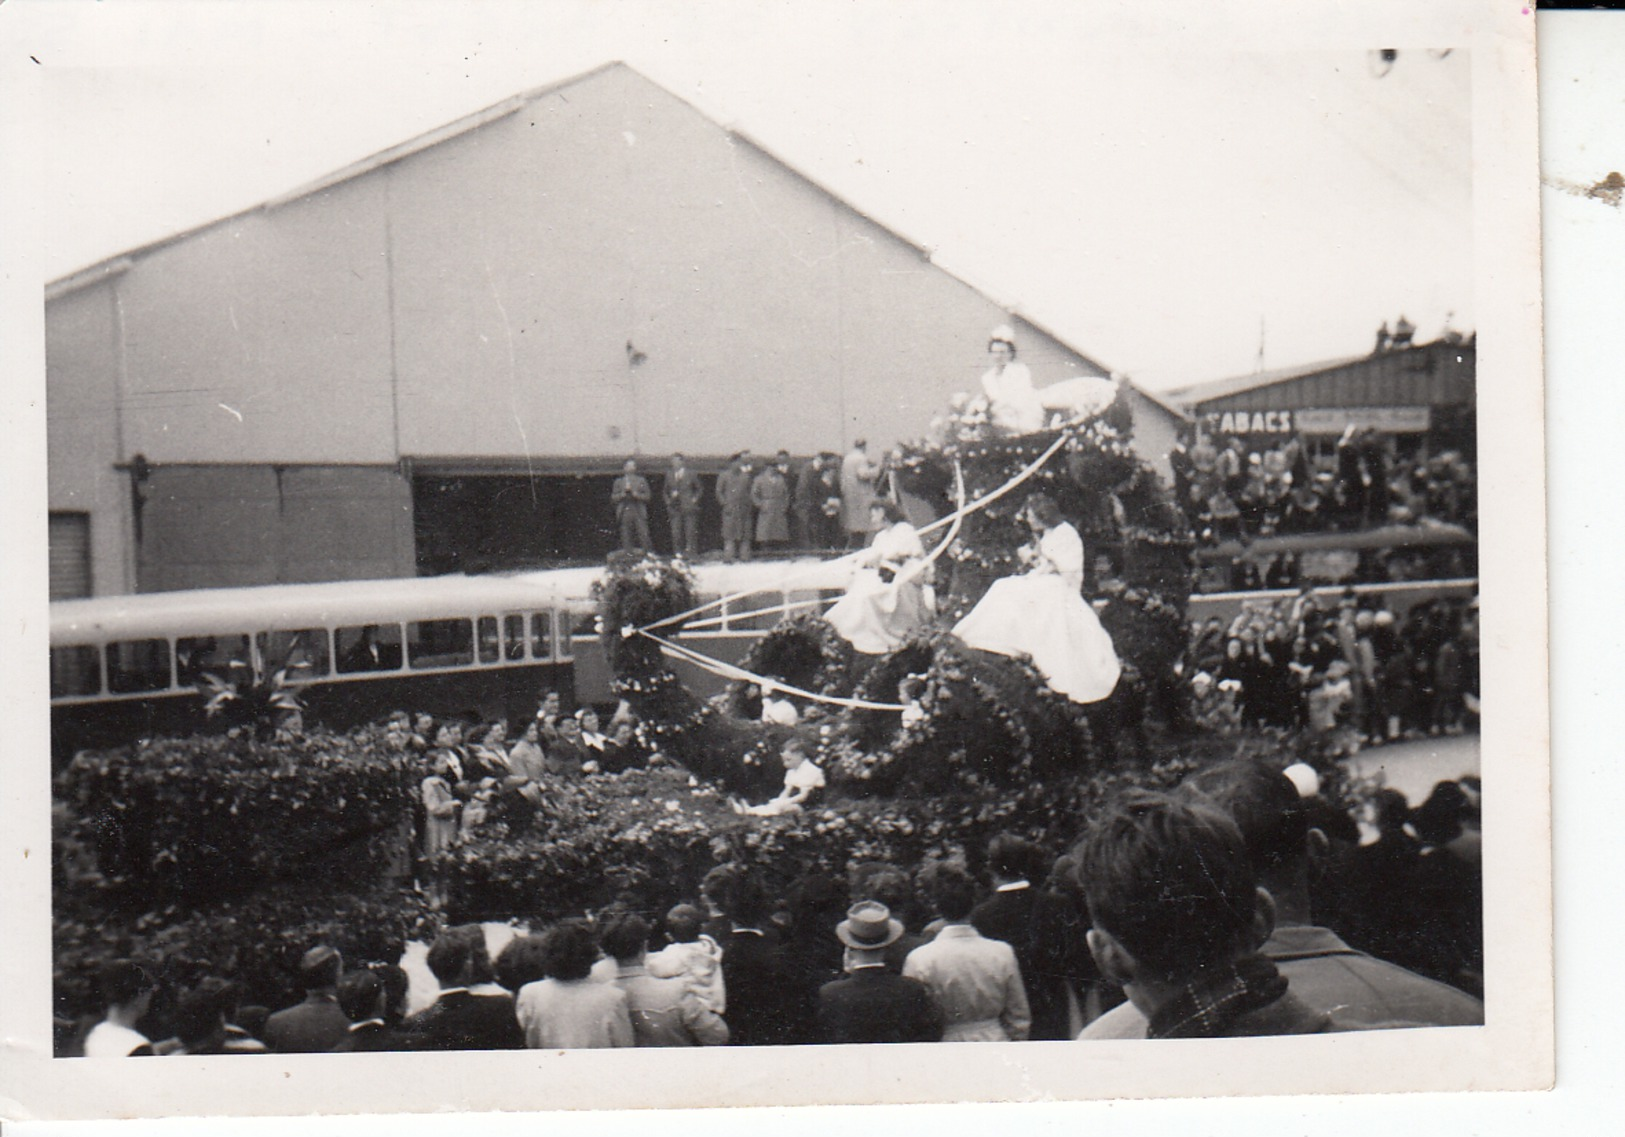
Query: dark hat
[{"x": 869, "y": 927}]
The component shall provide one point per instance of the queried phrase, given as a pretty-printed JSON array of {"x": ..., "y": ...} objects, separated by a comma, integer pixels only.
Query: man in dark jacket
[
  {"x": 316, "y": 1025},
  {"x": 873, "y": 1004},
  {"x": 459, "y": 1019},
  {"x": 1036, "y": 923},
  {"x": 683, "y": 494},
  {"x": 362, "y": 996}
]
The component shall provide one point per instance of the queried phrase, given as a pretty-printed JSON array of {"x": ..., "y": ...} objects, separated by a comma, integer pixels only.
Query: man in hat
[
  {"x": 317, "y": 1024},
  {"x": 873, "y": 1004}
]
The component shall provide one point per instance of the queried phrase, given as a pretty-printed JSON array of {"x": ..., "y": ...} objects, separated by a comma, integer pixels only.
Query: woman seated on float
[
  {"x": 885, "y": 605},
  {"x": 1042, "y": 613}
]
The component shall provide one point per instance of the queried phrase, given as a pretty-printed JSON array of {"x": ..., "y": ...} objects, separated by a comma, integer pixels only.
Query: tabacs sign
[
  {"x": 1250, "y": 422},
  {"x": 1320, "y": 420}
]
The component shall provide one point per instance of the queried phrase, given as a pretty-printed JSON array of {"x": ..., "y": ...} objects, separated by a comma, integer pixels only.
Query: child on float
[{"x": 801, "y": 777}]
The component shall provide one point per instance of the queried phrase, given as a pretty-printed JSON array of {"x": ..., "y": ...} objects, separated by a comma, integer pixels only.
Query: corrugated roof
[{"x": 1198, "y": 393}]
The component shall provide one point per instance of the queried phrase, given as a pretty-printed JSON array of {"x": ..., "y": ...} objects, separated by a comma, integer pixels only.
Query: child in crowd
[
  {"x": 692, "y": 956},
  {"x": 801, "y": 777}
]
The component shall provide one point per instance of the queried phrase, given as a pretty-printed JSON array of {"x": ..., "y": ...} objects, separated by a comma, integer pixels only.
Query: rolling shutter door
[{"x": 70, "y": 555}]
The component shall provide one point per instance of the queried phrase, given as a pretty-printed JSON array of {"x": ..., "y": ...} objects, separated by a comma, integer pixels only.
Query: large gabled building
[{"x": 438, "y": 357}]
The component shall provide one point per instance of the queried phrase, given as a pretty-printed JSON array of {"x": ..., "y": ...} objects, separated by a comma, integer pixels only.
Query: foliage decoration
[
  {"x": 986, "y": 721},
  {"x": 213, "y": 816},
  {"x": 804, "y": 651}
]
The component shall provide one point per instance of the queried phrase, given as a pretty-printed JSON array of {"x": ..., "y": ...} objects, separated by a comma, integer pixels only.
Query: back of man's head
[
  {"x": 479, "y": 952},
  {"x": 1015, "y": 858},
  {"x": 123, "y": 982},
  {"x": 448, "y": 958},
  {"x": 198, "y": 1015},
  {"x": 1265, "y": 806},
  {"x": 320, "y": 968},
  {"x": 1171, "y": 881},
  {"x": 624, "y": 936},
  {"x": 358, "y": 995},
  {"x": 953, "y": 893}
]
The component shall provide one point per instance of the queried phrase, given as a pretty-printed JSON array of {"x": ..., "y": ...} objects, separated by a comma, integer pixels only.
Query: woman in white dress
[
  {"x": 1042, "y": 613},
  {"x": 885, "y": 606},
  {"x": 1012, "y": 404}
]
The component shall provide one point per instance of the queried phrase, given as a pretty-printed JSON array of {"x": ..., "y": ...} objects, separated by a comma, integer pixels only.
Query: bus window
[
  {"x": 137, "y": 665},
  {"x": 302, "y": 653},
  {"x": 75, "y": 671},
  {"x": 513, "y": 638},
  {"x": 541, "y": 635},
  {"x": 371, "y": 647},
  {"x": 490, "y": 646},
  {"x": 196, "y": 656},
  {"x": 440, "y": 643}
]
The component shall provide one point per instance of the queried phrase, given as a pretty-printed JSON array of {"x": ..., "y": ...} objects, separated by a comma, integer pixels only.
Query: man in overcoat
[{"x": 874, "y": 1004}]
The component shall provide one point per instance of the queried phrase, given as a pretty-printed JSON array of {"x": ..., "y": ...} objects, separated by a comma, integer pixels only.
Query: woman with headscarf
[
  {"x": 1042, "y": 612},
  {"x": 885, "y": 606}
]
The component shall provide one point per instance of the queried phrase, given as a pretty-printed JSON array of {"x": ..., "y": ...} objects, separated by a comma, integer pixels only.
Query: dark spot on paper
[{"x": 1609, "y": 189}]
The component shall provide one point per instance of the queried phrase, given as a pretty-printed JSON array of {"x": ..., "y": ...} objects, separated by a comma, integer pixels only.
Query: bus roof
[
  {"x": 294, "y": 606},
  {"x": 216, "y": 611}
]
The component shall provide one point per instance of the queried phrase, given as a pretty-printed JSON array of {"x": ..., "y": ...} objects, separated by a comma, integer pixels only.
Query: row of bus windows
[{"x": 138, "y": 666}]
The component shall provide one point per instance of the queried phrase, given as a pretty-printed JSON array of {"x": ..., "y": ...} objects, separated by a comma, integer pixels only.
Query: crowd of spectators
[
  {"x": 1301, "y": 662},
  {"x": 777, "y": 505},
  {"x": 1240, "y": 903},
  {"x": 1231, "y": 491}
]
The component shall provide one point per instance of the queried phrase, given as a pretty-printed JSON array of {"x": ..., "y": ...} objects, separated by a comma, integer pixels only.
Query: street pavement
[{"x": 1413, "y": 768}]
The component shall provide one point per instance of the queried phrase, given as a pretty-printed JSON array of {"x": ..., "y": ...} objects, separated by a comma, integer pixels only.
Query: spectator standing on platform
[
  {"x": 807, "y": 503},
  {"x": 858, "y": 476},
  {"x": 630, "y": 495},
  {"x": 733, "y": 494},
  {"x": 770, "y": 495},
  {"x": 683, "y": 493}
]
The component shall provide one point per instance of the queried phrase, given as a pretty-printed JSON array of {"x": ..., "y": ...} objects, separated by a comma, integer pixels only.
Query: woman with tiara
[{"x": 1042, "y": 613}]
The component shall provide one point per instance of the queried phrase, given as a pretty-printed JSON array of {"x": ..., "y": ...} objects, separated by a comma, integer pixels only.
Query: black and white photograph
[{"x": 788, "y": 536}]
